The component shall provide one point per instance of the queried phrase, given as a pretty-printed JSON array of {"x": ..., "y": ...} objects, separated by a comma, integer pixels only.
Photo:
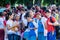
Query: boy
[{"x": 50, "y": 26}]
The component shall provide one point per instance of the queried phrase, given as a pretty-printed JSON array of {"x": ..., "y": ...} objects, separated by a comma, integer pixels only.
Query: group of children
[{"x": 28, "y": 25}]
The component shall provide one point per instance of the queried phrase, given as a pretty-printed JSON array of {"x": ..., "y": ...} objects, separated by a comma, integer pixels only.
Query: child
[
  {"x": 40, "y": 27},
  {"x": 18, "y": 28},
  {"x": 51, "y": 23},
  {"x": 2, "y": 28},
  {"x": 31, "y": 27},
  {"x": 11, "y": 31},
  {"x": 36, "y": 19}
]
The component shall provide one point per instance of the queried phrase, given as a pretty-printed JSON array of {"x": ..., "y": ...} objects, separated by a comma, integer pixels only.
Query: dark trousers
[
  {"x": 2, "y": 34},
  {"x": 13, "y": 37},
  {"x": 50, "y": 36}
]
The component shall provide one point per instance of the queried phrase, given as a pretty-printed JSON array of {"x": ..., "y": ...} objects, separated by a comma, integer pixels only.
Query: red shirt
[{"x": 50, "y": 27}]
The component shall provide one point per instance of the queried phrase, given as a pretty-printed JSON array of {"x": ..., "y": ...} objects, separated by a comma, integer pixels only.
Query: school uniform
[
  {"x": 35, "y": 22},
  {"x": 18, "y": 33},
  {"x": 23, "y": 23},
  {"x": 12, "y": 35},
  {"x": 40, "y": 31},
  {"x": 51, "y": 30},
  {"x": 2, "y": 31},
  {"x": 32, "y": 34},
  {"x": 44, "y": 19}
]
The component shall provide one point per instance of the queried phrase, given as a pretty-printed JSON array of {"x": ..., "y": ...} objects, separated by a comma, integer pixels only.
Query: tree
[
  {"x": 38, "y": 2},
  {"x": 29, "y": 2}
]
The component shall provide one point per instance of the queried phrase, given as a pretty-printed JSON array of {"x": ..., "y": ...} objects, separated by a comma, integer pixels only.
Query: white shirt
[
  {"x": 35, "y": 22},
  {"x": 24, "y": 20},
  {"x": 1, "y": 22},
  {"x": 18, "y": 32},
  {"x": 19, "y": 13},
  {"x": 43, "y": 19},
  {"x": 10, "y": 23}
]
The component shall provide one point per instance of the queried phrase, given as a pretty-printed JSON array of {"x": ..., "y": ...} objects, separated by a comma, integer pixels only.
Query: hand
[
  {"x": 56, "y": 24},
  {"x": 52, "y": 32},
  {"x": 35, "y": 28}
]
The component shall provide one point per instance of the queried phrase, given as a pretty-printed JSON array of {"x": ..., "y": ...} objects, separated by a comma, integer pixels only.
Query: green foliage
[{"x": 27, "y": 2}]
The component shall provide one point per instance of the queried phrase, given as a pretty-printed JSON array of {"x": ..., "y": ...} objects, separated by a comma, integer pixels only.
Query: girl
[
  {"x": 18, "y": 22},
  {"x": 11, "y": 28},
  {"x": 2, "y": 28},
  {"x": 51, "y": 23},
  {"x": 31, "y": 27},
  {"x": 40, "y": 28}
]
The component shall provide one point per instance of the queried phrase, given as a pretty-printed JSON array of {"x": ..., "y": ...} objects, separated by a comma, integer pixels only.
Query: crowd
[{"x": 32, "y": 23}]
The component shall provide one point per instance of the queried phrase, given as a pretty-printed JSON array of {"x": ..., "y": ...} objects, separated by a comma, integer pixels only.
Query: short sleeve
[{"x": 7, "y": 22}]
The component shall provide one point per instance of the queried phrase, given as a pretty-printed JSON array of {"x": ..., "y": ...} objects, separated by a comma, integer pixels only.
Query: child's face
[
  {"x": 56, "y": 11},
  {"x": 31, "y": 14},
  {"x": 29, "y": 19},
  {"x": 4, "y": 13},
  {"x": 38, "y": 16},
  {"x": 11, "y": 16},
  {"x": 17, "y": 17},
  {"x": 48, "y": 14},
  {"x": 22, "y": 12}
]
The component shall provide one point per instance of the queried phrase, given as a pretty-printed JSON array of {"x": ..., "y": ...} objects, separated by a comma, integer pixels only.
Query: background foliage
[{"x": 29, "y": 2}]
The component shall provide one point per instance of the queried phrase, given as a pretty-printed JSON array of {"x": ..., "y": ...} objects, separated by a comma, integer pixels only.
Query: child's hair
[
  {"x": 17, "y": 15},
  {"x": 8, "y": 14},
  {"x": 5, "y": 11},
  {"x": 1, "y": 14},
  {"x": 22, "y": 9},
  {"x": 47, "y": 11},
  {"x": 27, "y": 15}
]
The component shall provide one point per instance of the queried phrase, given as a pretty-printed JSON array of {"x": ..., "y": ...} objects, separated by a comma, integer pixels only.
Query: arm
[
  {"x": 45, "y": 25},
  {"x": 55, "y": 23},
  {"x": 8, "y": 27}
]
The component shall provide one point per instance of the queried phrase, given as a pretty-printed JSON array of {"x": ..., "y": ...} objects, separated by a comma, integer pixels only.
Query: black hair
[
  {"x": 44, "y": 8},
  {"x": 47, "y": 11},
  {"x": 33, "y": 8},
  {"x": 8, "y": 14},
  {"x": 5, "y": 11},
  {"x": 53, "y": 10},
  {"x": 26, "y": 9},
  {"x": 27, "y": 15},
  {"x": 1, "y": 14},
  {"x": 22, "y": 9}
]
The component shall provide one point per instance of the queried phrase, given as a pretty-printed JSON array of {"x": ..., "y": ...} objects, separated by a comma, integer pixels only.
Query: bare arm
[
  {"x": 8, "y": 27},
  {"x": 45, "y": 25},
  {"x": 55, "y": 23}
]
